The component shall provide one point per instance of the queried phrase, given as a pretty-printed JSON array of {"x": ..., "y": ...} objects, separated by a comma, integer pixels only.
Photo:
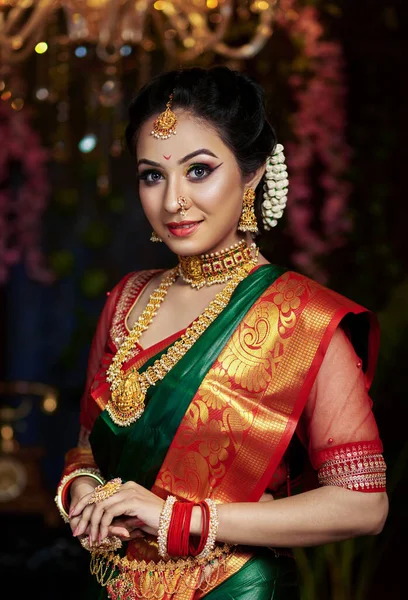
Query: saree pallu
[{"x": 221, "y": 420}]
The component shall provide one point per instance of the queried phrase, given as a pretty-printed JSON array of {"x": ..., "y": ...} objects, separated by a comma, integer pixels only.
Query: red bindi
[{"x": 167, "y": 157}]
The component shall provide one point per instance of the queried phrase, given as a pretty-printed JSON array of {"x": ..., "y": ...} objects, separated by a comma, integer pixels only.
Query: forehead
[{"x": 192, "y": 133}]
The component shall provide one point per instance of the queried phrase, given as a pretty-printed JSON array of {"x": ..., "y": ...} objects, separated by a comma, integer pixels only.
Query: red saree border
[{"x": 338, "y": 307}]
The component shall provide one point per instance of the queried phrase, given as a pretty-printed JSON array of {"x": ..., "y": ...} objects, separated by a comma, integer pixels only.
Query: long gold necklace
[{"x": 128, "y": 390}]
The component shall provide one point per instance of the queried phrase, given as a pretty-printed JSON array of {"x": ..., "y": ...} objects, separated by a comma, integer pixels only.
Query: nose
[{"x": 170, "y": 201}]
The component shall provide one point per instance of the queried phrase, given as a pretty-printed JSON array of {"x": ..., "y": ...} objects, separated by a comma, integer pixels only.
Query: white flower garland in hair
[{"x": 275, "y": 188}]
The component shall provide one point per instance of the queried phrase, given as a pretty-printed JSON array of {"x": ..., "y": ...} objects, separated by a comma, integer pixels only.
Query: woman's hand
[
  {"x": 126, "y": 528},
  {"x": 109, "y": 516},
  {"x": 80, "y": 488}
]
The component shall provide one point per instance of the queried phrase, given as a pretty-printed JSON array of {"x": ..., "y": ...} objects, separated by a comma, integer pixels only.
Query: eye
[
  {"x": 196, "y": 172},
  {"x": 150, "y": 177}
]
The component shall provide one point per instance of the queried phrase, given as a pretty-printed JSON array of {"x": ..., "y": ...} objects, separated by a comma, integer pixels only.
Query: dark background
[{"x": 91, "y": 240}]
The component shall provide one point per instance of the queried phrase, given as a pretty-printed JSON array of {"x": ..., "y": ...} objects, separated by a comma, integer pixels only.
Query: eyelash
[{"x": 145, "y": 174}]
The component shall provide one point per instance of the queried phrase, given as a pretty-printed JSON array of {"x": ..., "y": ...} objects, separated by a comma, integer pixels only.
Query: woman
[{"x": 226, "y": 416}]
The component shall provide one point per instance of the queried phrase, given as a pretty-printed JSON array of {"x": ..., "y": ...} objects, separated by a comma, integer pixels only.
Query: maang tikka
[{"x": 165, "y": 124}]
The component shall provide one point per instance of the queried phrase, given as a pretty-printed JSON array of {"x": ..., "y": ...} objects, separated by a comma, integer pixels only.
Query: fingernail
[{"x": 76, "y": 531}]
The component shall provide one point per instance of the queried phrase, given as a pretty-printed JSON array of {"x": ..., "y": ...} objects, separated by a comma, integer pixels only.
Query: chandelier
[{"x": 185, "y": 28}]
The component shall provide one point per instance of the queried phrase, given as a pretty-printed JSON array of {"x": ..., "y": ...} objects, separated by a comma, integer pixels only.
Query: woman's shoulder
[{"x": 293, "y": 283}]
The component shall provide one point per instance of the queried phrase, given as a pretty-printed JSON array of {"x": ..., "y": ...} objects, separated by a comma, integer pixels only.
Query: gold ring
[{"x": 101, "y": 492}]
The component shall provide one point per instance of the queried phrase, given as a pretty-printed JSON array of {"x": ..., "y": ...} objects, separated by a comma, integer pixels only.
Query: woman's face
[{"x": 196, "y": 164}]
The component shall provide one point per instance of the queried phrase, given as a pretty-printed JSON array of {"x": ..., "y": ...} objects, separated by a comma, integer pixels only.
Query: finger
[
  {"x": 119, "y": 531},
  {"x": 103, "y": 515},
  {"x": 102, "y": 507},
  {"x": 73, "y": 523},
  {"x": 83, "y": 522},
  {"x": 114, "y": 510},
  {"x": 124, "y": 534},
  {"x": 78, "y": 508}
]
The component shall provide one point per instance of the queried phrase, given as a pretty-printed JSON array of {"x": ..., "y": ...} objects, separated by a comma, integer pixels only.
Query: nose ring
[{"x": 181, "y": 201}]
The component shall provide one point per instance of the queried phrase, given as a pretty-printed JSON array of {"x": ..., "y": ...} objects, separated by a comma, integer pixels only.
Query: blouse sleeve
[
  {"x": 338, "y": 425},
  {"x": 97, "y": 350},
  {"x": 80, "y": 457}
]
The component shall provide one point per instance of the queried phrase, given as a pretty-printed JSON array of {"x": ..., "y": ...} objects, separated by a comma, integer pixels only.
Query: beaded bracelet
[
  {"x": 164, "y": 524},
  {"x": 66, "y": 482}
]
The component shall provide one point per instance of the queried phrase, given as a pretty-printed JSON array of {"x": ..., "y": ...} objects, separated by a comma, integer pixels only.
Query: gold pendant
[{"x": 127, "y": 402}]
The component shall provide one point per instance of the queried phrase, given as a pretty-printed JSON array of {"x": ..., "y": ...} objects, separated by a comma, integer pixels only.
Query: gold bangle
[{"x": 67, "y": 479}]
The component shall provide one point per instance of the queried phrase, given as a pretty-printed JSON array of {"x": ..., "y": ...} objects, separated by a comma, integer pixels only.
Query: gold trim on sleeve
[{"x": 354, "y": 469}]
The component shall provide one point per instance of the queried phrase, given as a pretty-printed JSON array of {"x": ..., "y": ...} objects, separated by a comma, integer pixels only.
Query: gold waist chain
[{"x": 131, "y": 579}]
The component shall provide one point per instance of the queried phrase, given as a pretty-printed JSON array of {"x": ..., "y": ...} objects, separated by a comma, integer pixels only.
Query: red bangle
[
  {"x": 205, "y": 525},
  {"x": 178, "y": 540},
  {"x": 185, "y": 536},
  {"x": 179, "y": 529},
  {"x": 174, "y": 533}
]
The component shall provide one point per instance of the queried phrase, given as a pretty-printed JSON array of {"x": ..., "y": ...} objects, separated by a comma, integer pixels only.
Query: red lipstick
[{"x": 183, "y": 228}]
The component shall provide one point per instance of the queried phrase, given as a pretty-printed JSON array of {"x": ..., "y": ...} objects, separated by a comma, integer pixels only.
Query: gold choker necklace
[{"x": 217, "y": 267}]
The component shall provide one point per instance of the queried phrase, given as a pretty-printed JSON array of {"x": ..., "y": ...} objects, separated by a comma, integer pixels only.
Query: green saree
[{"x": 221, "y": 420}]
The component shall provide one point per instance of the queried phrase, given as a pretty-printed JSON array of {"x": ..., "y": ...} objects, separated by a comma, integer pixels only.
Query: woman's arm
[
  {"x": 337, "y": 426},
  {"x": 327, "y": 514}
]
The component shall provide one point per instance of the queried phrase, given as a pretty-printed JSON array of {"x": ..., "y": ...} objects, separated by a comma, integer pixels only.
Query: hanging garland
[
  {"x": 24, "y": 190},
  {"x": 318, "y": 127}
]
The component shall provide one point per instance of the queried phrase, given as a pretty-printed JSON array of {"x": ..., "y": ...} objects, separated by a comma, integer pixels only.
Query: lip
[
  {"x": 177, "y": 230},
  {"x": 179, "y": 223}
]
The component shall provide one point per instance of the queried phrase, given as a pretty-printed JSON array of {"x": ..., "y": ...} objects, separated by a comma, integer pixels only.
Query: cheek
[
  {"x": 150, "y": 198},
  {"x": 218, "y": 192}
]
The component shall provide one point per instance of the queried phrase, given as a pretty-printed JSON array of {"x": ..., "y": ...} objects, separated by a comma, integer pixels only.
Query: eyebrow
[{"x": 182, "y": 160}]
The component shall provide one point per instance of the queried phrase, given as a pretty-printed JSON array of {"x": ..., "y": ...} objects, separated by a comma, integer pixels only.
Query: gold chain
[
  {"x": 128, "y": 390},
  {"x": 154, "y": 580}
]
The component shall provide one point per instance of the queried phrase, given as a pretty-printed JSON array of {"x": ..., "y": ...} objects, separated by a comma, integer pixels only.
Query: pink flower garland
[
  {"x": 319, "y": 127},
  {"x": 21, "y": 208}
]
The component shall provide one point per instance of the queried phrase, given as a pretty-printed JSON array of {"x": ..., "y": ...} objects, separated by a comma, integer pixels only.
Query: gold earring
[
  {"x": 247, "y": 221},
  {"x": 155, "y": 238}
]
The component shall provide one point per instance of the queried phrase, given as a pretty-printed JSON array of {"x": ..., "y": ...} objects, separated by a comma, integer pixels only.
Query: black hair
[{"x": 231, "y": 102}]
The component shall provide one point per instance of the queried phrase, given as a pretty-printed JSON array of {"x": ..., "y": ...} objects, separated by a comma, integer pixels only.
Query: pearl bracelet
[{"x": 164, "y": 524}]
